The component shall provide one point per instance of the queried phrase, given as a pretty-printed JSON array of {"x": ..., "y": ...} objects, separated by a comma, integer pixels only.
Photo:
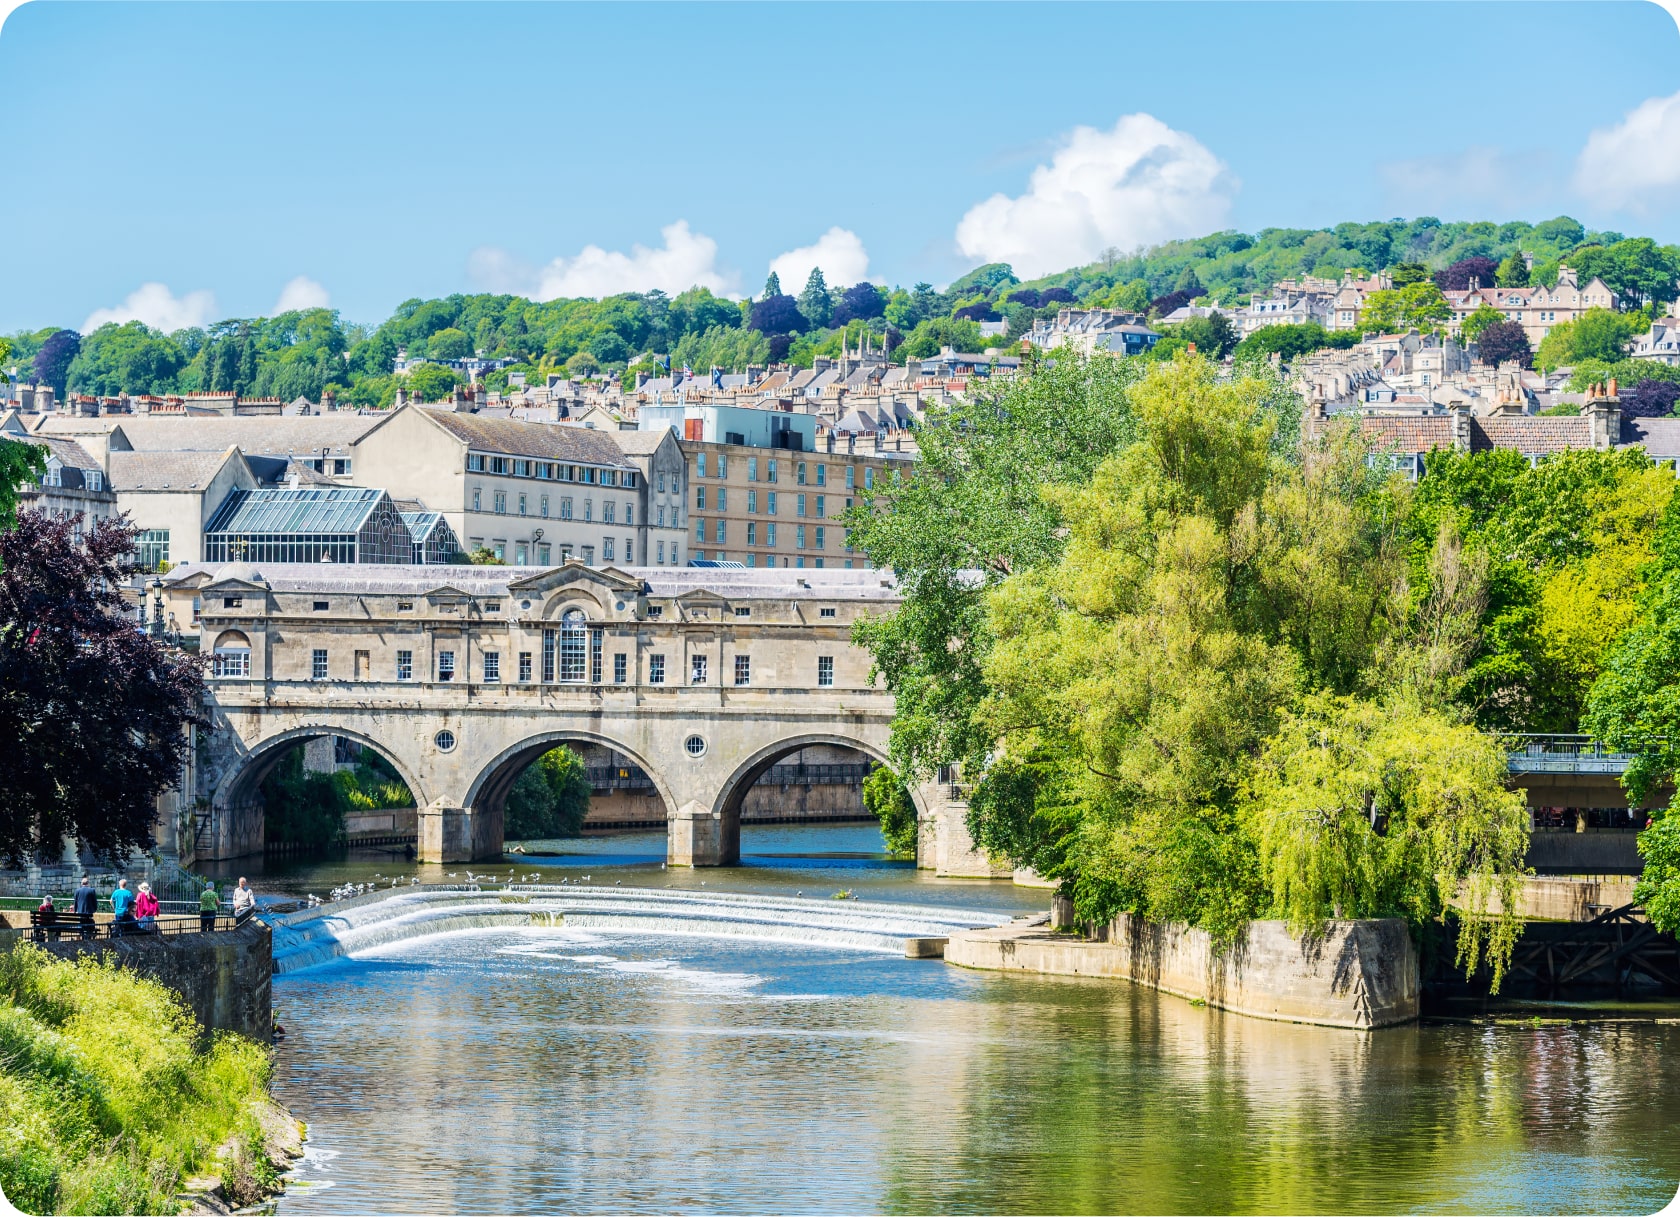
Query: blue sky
[{"x": 364, "y": 153}]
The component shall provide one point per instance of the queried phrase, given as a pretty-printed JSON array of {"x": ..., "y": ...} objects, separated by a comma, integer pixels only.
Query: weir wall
[{"x": 1357, "y": 974}]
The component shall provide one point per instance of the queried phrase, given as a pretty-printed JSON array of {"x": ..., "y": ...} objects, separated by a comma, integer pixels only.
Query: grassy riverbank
[{"x": 112, "y": 1100}]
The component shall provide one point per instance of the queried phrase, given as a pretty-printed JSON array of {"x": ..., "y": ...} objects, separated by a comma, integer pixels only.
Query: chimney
[
  {"x": 402, "y": 397},
  {"x": 1460, "y": 414},
  {"x": 479, "y": 394},
  {"x": 1604, "y": 416}
]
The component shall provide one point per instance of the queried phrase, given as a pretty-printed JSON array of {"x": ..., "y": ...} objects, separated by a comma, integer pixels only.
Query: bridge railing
[{"x": 1558, "y": 753}]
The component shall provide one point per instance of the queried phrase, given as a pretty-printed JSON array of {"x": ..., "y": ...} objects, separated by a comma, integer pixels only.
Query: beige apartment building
[
  {"x": 766, "y": 507},
  {"x": 1538, "y": 308},
  {"x": 534, "y": 494}
]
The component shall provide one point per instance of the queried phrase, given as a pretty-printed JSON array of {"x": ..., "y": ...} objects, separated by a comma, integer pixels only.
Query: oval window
[
  {"x": 445, "y": 740},
  {"x": 695, "y": 745}
]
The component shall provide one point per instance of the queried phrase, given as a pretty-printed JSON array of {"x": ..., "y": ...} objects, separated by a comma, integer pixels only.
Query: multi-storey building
[{"x": 1538, "y": 308}]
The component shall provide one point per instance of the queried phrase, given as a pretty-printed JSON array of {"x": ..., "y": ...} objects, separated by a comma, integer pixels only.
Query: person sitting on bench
[{"x": 46, "y": 920}]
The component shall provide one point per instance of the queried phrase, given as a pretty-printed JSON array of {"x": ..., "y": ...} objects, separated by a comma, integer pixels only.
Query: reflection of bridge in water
[{"x": 702, "y": 682}]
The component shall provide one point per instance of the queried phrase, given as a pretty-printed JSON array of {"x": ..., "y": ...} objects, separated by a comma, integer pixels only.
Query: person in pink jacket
[{"x": 146, "y": 907}]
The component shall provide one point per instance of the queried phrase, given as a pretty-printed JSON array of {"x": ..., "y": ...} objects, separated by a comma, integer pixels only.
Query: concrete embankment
[
  {"x": 225, "y": 977},
  {"x": 1358, "y": 974}
]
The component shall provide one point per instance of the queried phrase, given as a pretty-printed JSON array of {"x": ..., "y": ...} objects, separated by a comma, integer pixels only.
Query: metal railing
[
  {"x": 1542, "y": 753},
  {"x": 71, "y": 926}
]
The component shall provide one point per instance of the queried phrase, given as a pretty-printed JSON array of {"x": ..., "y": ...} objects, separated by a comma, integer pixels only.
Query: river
[{"x": 508, "y": 1069}]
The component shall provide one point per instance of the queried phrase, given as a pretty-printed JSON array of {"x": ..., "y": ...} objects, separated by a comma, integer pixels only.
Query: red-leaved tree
[{"x": 93, "y": 711}]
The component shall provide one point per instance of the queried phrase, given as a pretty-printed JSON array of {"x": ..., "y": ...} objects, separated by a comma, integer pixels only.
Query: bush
[
  {"x": 111, "y": 1098},
  {"x": 549, "y": 799},
  {"x": 889, "y": 802}
]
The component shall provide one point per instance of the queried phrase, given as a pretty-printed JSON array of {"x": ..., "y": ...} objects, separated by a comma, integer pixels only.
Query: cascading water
[{"x": 317, "y": 936}]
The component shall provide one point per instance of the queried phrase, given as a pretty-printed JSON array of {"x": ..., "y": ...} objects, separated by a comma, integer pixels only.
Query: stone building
[{"x": 72, "y": 485}]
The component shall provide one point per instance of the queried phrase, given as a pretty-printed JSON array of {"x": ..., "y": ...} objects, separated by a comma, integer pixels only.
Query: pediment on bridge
[
  {"x": 447, "y": 592},
  {"x": 606, "y": 578}
]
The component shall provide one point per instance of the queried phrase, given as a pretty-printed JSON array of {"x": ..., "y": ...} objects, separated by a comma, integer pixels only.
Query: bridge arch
[
  {"x": 732, "y": 793},
  {"x": 237, "y": 807},
  {"x": 489, "y": 790}
]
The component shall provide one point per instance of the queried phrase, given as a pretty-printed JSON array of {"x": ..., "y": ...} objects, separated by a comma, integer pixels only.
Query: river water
[{"x": 612, "y": 1064}]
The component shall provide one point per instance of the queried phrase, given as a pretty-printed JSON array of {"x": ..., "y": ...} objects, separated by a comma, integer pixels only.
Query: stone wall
[
  {"x": 1359, "y": 974},
  {"x": 225, "y": 977}
]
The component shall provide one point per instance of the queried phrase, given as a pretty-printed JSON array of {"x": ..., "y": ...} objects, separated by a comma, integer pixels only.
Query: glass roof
[{"x": 311, "y": 509}]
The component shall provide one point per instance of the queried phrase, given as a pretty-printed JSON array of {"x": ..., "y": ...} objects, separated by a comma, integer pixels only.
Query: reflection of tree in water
[{"x": 1099, "y": 1096}]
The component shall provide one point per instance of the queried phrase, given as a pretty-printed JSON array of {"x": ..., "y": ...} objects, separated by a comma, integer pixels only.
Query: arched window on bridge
[
  {"x": 231, "y": 656},
  {"x": 574, "y": 645}
]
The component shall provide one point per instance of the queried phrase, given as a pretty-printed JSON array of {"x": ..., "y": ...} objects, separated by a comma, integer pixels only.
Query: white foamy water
[{"x": 317, "y": 936}]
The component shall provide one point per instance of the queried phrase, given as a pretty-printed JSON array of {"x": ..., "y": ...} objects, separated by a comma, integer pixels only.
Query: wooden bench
[{"x": 43, "y": 929}]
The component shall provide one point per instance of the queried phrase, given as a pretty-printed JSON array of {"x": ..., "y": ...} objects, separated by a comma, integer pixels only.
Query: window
[
  {"x": 548, "y": 657},
  {"x": 445, "y": 741},
  {"x": 722, "y": 499},
  {"x": 589, "y": 509},
  {"x": 799, "y": 473},
  {"x": 752, "y": 469},
  {"x": 621, "y": 668},
  {"x": 475, "y": 462},
  {"x": 662, "y": 551},
  {"x": 770, "y": 503},
  {"x": 543, "y": 552},
  {"x": 752, "y": 532},
  {"x": 152, "y": 548},
  {"x": 524, "y": 667},
  {"x": 498, "y": 464},
  {"x": 446, "y": 665},
  {"x": 501, "y": 503},
  {"x": 662, "y": 516},
  {"x": 752, "y": 502},
  {"x": 609, "y": 510},
  {"x": 318, "y": 664},
  {"x": 700, "y": 530},
  {"x": 770, "y": 534},
  {"x": 770, "y": 470},
  {"x": 322, "y": 606},
  {"x": 662, "y": 483},
  {"x": 697, "y": 670},
  {"x": 822, "y": 510},
  {"x": 799, "y": 506},
  {"x": 699, "y": 498},
  {"x": 822, "y": 476},
  {"x": 566, "y": 507},
  {"x": 825, "y": 670},
  {"x": 522, "y": 469},
  {"x": 656, "y": 669},
  {"x": 827, "y": 612},
  {"x": 700, "y": 466},
  {"x": 851, "y": 477},
  {"x": 478, "y": 499},
  {"x": 630, "y": 510},
  {"x": 743, "y": 669},
  {"x": 589, "y": 555},
  {"x": 799, "y": 537},
  {"x": 820, "y": 537},
  {"x": 233, "y": 602},
  {"x": 405, "y": 606},
  {"x": 695, "y": 745},
  {"x": 594, "y": 657},
  {"x": 492, "y": 667},
  {"x": 520, "y": 553},
  {"x": 574, "y": 630},
  {"x": 231, "y": 661},
  {"x": 743, "y": 611},
  {"x": 405, "y": 665},
  {"x": 723, "y": 465},
  {"x": 606, "y": 549},
  {"x": 869, "y": 478},
  {"x": 719, "y": 538}
]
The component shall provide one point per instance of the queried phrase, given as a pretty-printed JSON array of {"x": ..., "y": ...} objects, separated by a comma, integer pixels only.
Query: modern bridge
[{"x": 461, "y": 676}]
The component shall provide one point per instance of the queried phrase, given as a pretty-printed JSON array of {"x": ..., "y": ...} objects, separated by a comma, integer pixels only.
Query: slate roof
[
  {"x": 261, "y": 434},
  {"x": 541, "y": 440},
  {"x": 172, "y": 471},
  {"x": 70, "y": 454},
  {"x": 1660, "y": 437}
]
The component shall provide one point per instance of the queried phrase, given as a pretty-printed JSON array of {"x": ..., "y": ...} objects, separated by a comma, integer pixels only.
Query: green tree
[
  {"x": 549, "y": 799},
  {"x": 1472, "y": 326},
  {"x": 815, "y": 302},
  {"x": 1418, "y": 305},
  {"x": 1405, "y": 274},
  {"x": 433, "y": 382},
  {"x": 19, "y": 463},
  {"x": 772, "y": 286},
  {"x": 449, "y": 343},
  {"x": 1513, "y": 271},
  {"x": 885, "y": 798},
  {"x": 128, "y": 358},
  {"x": 1597, "y": 334}
]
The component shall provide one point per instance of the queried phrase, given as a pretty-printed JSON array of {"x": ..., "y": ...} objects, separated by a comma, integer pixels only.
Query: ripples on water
[{"x": 538, "y": 1070}]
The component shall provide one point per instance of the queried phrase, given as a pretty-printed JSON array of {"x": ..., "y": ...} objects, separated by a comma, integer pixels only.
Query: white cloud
[
  {"x": 301, "y": 292},
  {"x": 158, "y": 307},
  {"x": 687, "y": 259},
  {"x": 1140, "y": 183},
  {"x": 839, "y": 252},
  {"x": 1623, "y": 165}
]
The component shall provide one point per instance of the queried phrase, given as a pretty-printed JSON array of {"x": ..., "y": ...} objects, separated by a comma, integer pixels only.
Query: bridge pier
[
  {"x": 698, "y": 835},
  {"x": 458, "y": 834}
]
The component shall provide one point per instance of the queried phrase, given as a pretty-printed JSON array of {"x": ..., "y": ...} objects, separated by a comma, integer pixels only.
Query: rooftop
[{"x": 313, "y": 510}]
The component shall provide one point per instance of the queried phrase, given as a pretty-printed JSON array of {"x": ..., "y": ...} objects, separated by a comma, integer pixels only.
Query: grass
[{"x": 111, "y": 1096}]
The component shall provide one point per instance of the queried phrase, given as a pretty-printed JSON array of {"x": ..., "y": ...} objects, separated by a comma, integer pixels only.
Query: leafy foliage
[
  {"x": 94, "y": 711},
  {"x": 1500, "y": 340},
  {"x": 885, "y": 798},
  {"x": 111, "y": 1097},
  {"x": 549, "y": 799}
]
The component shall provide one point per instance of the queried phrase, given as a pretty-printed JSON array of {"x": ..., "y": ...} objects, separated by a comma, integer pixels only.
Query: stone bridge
[{"x": 461, "y": 676}]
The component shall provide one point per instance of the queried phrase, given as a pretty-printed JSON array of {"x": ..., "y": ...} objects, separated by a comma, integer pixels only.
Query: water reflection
[{"x": 523, "y": 1071}]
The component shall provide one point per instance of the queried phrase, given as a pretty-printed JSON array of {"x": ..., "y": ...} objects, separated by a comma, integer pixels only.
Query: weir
[{"x": 317, "y": 936}]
